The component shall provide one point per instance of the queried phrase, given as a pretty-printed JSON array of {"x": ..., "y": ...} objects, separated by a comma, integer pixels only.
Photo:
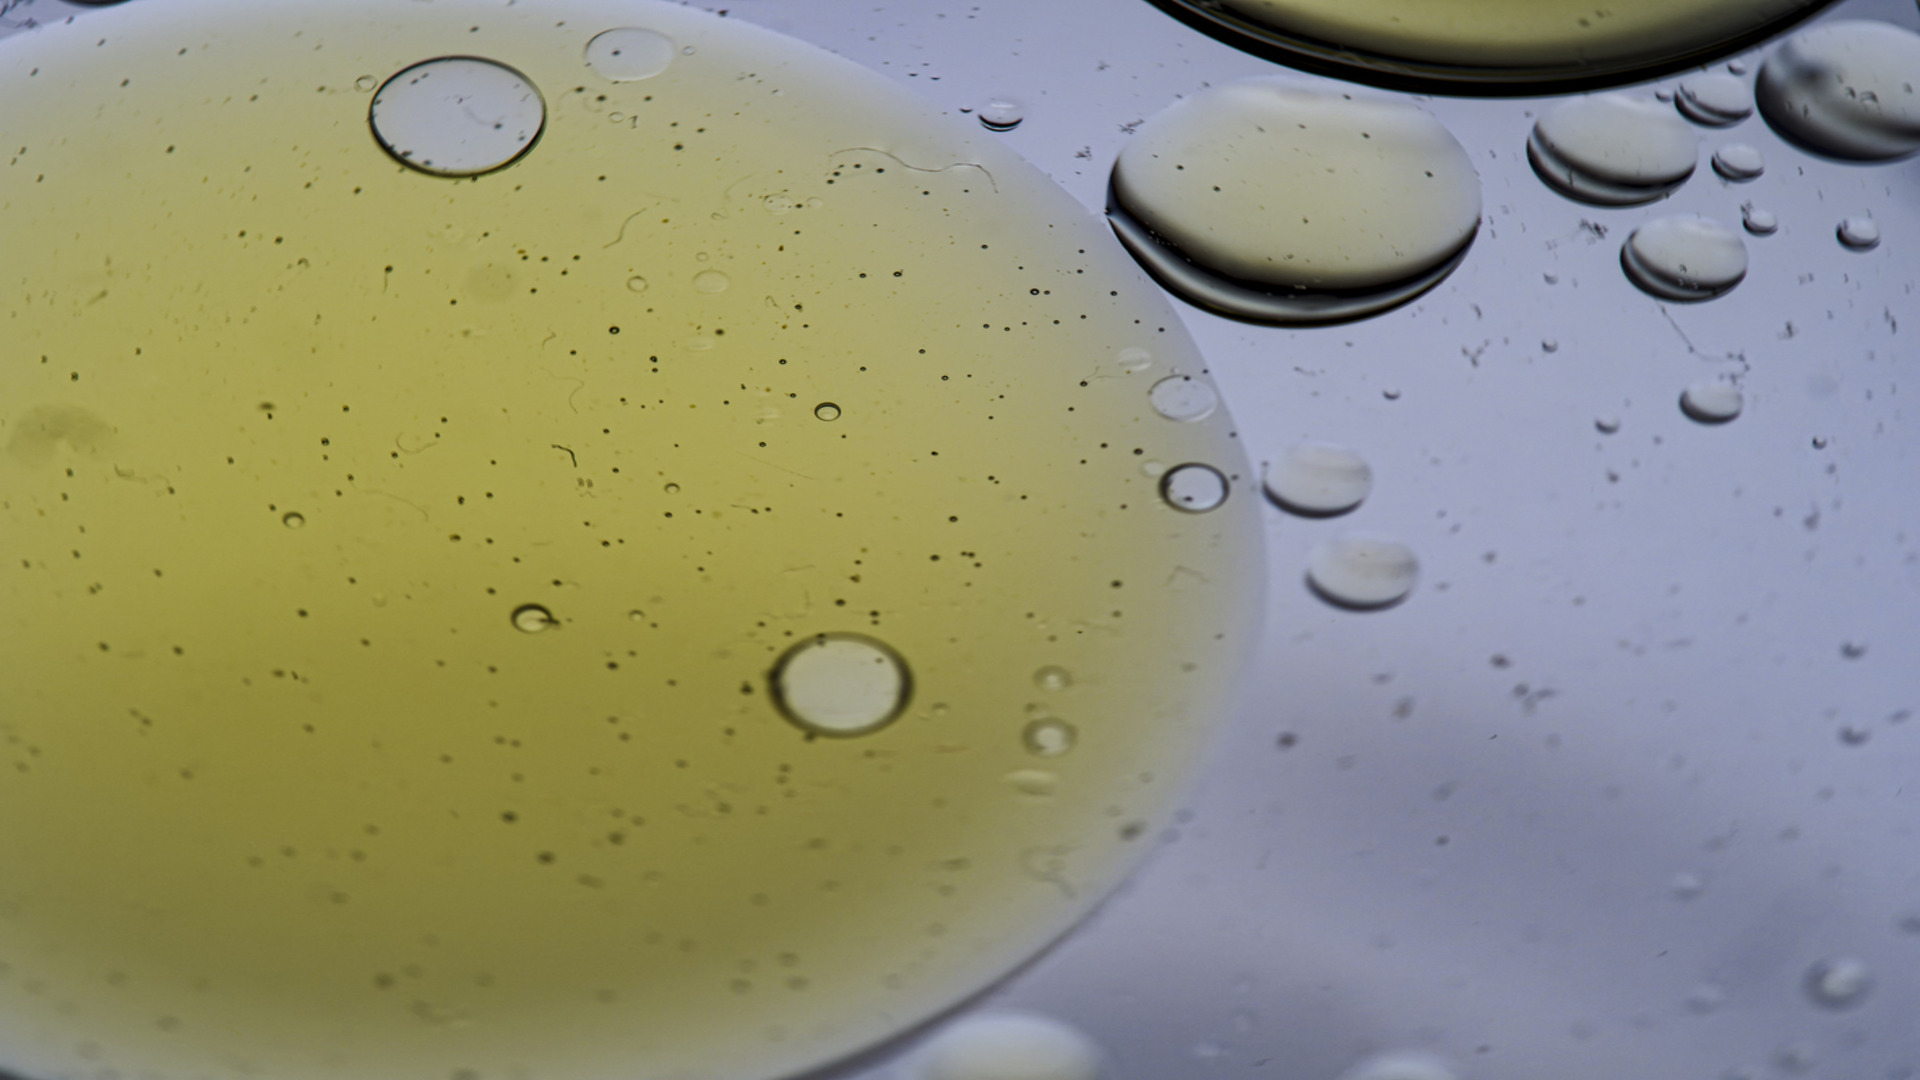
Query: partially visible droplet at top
[
  {"x": 1684, "y": 257},
  {"x": 457, "y": 116},
  {"x": 1739, "y": 162},
  {"x": 1194, "y": 488},
  {"x": 1712, "y": 401},
  {"x": 1846, "y": 89},
  {"x": 1612, "y": 150},
  {"x": 1002, "y": 114},
  {"x": 629, "y": 53},
  {"x": 1008, "y": 1046},
  {"x": 841, "y": 684},
  {"x": 1839, "y": 983},
  {"x": 1859, "y": 233},
  {"x": 1382, "y": 202},
  {"x": 1362, "y": 572},
  {"x": 1184, "y": 398},
  {"x": 1319, "y": 480},
  {"x": 1715, "y": 100},
  {"x": 533, "y": 618},
  {"x": 1758, "y": 221}
]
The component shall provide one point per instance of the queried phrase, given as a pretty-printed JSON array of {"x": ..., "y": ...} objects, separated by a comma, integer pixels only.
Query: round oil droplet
[
  {"x": 1606, "y": 423},
  {"x": 1712, "y": 401},
  {"x": 1739, "y": 162},
  {"x": 1715, "y": 100},
  {"x": 1053, "y": 678},
  {"x": 629, "y": 53},
  {"x": 1183, "y": 397},
  {"x": 1008, "y": 1046},
  {"x": 1194, "y": 488},
  {"x": 711, "y": 282},
  {"x": 1381, "y": 202},
  {"x": 532, "y": 618},
  {"x": 841, "y": 684},
  {"x": 1839, "y": 983},
  {"x": 1049, "y": 737},
  {"x": 1612, "y": 150},
  {"x": 827, "y": 410},
  {"x": 1846, "y": 89},
  {"x": 1684, "y": 257},
  {"x": 1002, "y": 114},
  {"x": 636, "y": 283},
  {"x": 293, "y": 519},
  {"x": 1759, "y": 222},
  {"x": 1859, "y": 233},
  {"x": 1400, "y": 1065},
  {"x": 1319, "y": 480},
  {"x": 1362, "y": 572},
  {"x": 457, "y": 116}
]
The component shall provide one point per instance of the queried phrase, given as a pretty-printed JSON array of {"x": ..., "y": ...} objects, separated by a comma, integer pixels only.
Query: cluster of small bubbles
[
  {"x": 1049, "y": 737},
  {"x": 1705, "y": 998},
  {"x": 1687, "y": 886},
  {"x": 1859, "y": 233},
  {"x": 1549, "y": 345},
  {"x": 1362, "y": 572},
  {"x": 629, "y": 53},
  {"x": 1715, "y": 100},
  {"x": 1400, "y": 1065},
  {"x": 841, "y": 684},
  {"x": 1739, "y": 162},
  {"x": 1002, "y": 114},
  {"x": 1759, "y": 222},
  {"x": 826, "y": 410},
  {"x": 1612, "y": 150},
  {"x": 1008, "y": 1046},
  {"x": 636, "y": 283},
  {"x": 1845, "y": 88},
  {"x": 1712, "y": 401},
  {"x": 1318, "y": 480},
  {"x": 1053, "y": 678},
  {"x": 532, "y": 618},
  {"x": 1183, "y": 397},
  {"x": 1606, "y": 423},
  {"x": 457, "y": 116},
  {"x": 293, "y": 519},
  {"x": 1194, "y": 488},
  {"x": 1684, "y": 257},
  {"x": 1839, "y": 983},
  {"x": 710, "y": 282}
]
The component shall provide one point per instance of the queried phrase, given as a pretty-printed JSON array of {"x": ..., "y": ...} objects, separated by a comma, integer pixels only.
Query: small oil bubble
[
  {"x": 1612, "y": 150},
  {"x": 711, "y": 282},
  {"x": 629, "y": 53},
  {"x": 1684, "y": 257},
  {"x": 532, "y": 619},
  {"x": 1839, "y": 983},
  {"x": 841, "y": 684},
  {"x": 1715, "y": 100},
  {"x": 293, "y": 519},
  {"x": 827, "y": 410},
  {"x": 1049, "y": 737},
  {"x": 1183, "y": 397},
  {"x": 636, "y": 283},
  {"x": 1036, "y": 782},
  {"x": 1712, "y": 401},
  {"x": 365, "y": 83},
  {"x": 1739, "y": 162},
  {"x": 1008, "y": 1046},
  {"x": 1319, "y": 480},
  {"x": 1549, "y": 345},
  {"x": 1002, "y": 114},
  {"x": 1606, "y": 423},
  {"x": 1053, "y": 679},
  {"x": 1845, "y": 89},
  {"x": 1194, "y": 488},
  {"x": 636, "y": 615},
  {"x": 457, "y": 116},
  {"x": 1362, "y": 572},
  {"x": 1759, "y": 222},
  {"x": 1859, "y": 233}
]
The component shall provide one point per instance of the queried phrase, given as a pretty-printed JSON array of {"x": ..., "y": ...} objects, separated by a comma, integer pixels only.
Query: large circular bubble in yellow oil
[{"x": 609, "y": 714}]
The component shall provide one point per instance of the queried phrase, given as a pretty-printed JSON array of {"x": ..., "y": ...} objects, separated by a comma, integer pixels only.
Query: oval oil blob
[
  {"x": 1194, "y": 488},
  {"x": 1759, "y": 221},
  {"x": 1184, "y": 398},
  {"x": 1845, "y": 89},
  {"x": 629, "y": 53},
  {"x": 1859, "y": 233},
  {"x": 1319, "y": 480},
  {"x": 841, "y": 684},
  {"x": 1739, "y": 162},
  {"x": 1712, "y": 401},
  {"x": 1716, "y": 99},
  {"x": 1684, "y": 257},
  {"x": 1612, "y": 150},
  {"x": 1840, "y": 982},
  {"x": 1362, "y": 572},
  {"x": 1002, "y": 114},
  {"x": 457, "y": 116}
]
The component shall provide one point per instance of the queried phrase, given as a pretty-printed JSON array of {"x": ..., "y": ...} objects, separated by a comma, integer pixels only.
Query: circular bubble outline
[
  {"x": 814, "y": 641},
  {"x": 373, "y": 126}
]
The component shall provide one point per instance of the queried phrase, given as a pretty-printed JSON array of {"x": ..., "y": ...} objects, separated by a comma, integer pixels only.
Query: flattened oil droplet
[
  {"x": 1715, "y": 100},
  {"x": 1008, "y": 1046},
  {"x": 1183, "y": 397},
  {"x": 1053, "y": 679},
  {"x": 1319, "y": 480},
  {"x": 1362, "y": 572},
  {"x": 1049, "y": 737},
  {"x": 1687, "y": 885},
  {"x": 1036, "y": 782},
  {"x": 841, "y": 684},
  {"x": 1840, "y": 982},
  {"x": 1002, "y": 114},
  {"x": 1194, "y": 488},
  {"x": 636, "y": 283},
  {"x": 1684, "y": 257},
  {"x": 1859, "y": 233},
  {"x": 1133, "y": 359},
  {"x": 1606, "y": 423},
  {"x": 1400, "y": 1065},
  {"x": 1712, "y": 401},
  {"x": 1845, "y": 88},
  {"x": 629, "y": 53},
  {"x": 532, "y": 618},
  {"x": 365, "y": 83},
  {"x": 1739, "y": 162},
  {"x": 457, "y": 116},
  {"x": 1705, "y": 998},
  {"x": 1612, "y": 150},
  {"x": 1759, "y": 222},
  {"x": 1382, "y": 202},
  {"x": 827, "y": 410},
  {"x": 293, "y": 519},
  {"x": 711, "y": 282}
]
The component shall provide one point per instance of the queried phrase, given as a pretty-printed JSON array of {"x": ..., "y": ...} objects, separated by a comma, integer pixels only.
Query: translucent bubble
[
  {"x": 1759, "y": 222},
  {"x": 1705, "y": 998},
  {"x": 636, "y": 283},
  {"x": 1008, "y": 1046},
  {"x": 1687, "y": 886},
  {"x": 1036, "y": 782},
  {"x": 1859, "y": 233},
  {"x": 1606, "y": 423},
  {"x": 457, "y": 116},
  {"x": 1133, "y": 359},
  {"x": 1183, "y": 397},
  {"x": 1839, "y": 982},
  {"x": 1550, "y": 345},
  {"x": 711, "y": 282},
  {"x": 841, "y": 684},
  {"x": 1684, "y": 257},
  {"x": 1382, "y": 202},
  {"x": 1362, "y": 572},
  {"x": 827, "y": 410},
  {"x": 1049, "y": 737},
  {"x": 1400, "y": 1065},
  {"x": 1612, "y": 150},
  {"x": 532, "y": 618},
  {"x": 1739, "y": 162},
  {"x": 1194, "y": 488},
  {"x": 1053, "y": 679},
  {"x": 1712, "y": 401},
  {"x": 629, "y": 53},
  {"x": 1845, "y": 88},
  {"x": 1002, "y": 114},
  {"x": 1319, "y": 480},
  {"x": 293, "y": 519},
  {"x": 365, "y": 83},
  {"x": 1715, "y": 100}
]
